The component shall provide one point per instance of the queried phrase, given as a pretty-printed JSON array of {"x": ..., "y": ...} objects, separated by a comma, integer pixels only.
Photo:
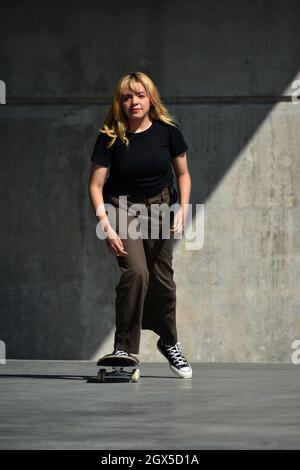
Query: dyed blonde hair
[{"x": 115, "y": 123}]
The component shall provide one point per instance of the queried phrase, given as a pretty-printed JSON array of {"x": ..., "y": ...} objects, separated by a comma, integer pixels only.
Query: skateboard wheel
[
  {"x": 135, "y": 375},
  {"x": 101, "y": 375}
]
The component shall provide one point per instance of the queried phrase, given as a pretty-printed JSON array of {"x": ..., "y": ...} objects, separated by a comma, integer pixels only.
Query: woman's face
[{"x": 136, "y": 104}]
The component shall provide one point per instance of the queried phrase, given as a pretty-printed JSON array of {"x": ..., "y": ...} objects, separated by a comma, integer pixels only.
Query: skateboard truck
[{"x": 118, "y": 364}]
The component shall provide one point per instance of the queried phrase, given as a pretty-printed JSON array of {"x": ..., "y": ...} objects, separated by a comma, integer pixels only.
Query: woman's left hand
[{"x": 179, "y": 221}]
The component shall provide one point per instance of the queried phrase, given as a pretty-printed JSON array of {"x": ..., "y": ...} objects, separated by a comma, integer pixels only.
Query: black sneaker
[{"x": 177, "y": 361}]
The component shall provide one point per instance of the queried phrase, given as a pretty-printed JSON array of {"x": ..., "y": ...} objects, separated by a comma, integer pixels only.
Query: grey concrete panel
[
  {"x": 237, "y": 297},
  {"x": 191, "y": 49}
]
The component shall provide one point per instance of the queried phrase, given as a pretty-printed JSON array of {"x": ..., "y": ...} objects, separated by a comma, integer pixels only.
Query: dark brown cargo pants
[{"x": 146, "y": 292}]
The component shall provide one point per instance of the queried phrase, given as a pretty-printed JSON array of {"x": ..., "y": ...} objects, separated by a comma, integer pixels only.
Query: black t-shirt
[{"x": 143, "y": 168}]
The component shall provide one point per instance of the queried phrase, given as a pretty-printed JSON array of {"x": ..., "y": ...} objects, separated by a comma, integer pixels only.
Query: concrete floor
[{"x": 59, "y": 405}]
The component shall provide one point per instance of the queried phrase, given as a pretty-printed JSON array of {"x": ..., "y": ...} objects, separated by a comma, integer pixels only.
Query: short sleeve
[
  {"x": 177, "y": 143},
  {"x": 101, "y": 155}
]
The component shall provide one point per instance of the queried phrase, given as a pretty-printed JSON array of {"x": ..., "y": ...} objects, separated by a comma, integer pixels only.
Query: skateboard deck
[{"x": 118, "y": 364}]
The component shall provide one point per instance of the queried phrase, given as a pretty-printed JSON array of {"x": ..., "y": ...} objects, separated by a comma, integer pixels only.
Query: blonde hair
[{"x": 116, "y": 121}]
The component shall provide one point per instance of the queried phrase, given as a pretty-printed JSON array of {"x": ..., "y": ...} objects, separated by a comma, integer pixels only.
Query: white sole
[{"x": 183, "y": 375}]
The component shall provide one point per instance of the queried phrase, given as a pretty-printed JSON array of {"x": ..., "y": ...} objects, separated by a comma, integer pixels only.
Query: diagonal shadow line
[
  {"x": 215, "y": 162},
  {"x": 227, "y": 135}
]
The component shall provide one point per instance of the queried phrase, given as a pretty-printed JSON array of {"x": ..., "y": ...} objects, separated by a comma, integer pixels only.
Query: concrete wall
[{"x": 225, "y": 69}]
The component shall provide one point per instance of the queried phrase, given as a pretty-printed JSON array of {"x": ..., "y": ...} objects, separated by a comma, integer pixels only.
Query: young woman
[{"x": 139, "y": 143}]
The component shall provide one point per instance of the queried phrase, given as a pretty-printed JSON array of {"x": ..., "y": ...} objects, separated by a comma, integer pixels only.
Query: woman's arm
[
  {"x": 96, "y": 183},
  {"x": 183, "y": 178},
  {"x": 97, "y": 179},
  {"x": 184, "y": 184}
]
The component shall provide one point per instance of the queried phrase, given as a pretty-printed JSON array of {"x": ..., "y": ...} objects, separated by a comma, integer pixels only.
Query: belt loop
[{"x": 162, "y": 193}]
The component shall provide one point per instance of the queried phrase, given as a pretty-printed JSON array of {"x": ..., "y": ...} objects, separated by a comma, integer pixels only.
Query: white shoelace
[
  {"x": 121, "y": 353},
  {"x": 176, "y": 354}
]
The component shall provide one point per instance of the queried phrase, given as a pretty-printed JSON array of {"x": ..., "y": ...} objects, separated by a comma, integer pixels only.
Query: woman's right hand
[{"x": 113, "y": 241}]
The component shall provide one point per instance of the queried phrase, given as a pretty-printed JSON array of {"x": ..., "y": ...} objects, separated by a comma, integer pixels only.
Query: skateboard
[{"x": 118, "y": 364}]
